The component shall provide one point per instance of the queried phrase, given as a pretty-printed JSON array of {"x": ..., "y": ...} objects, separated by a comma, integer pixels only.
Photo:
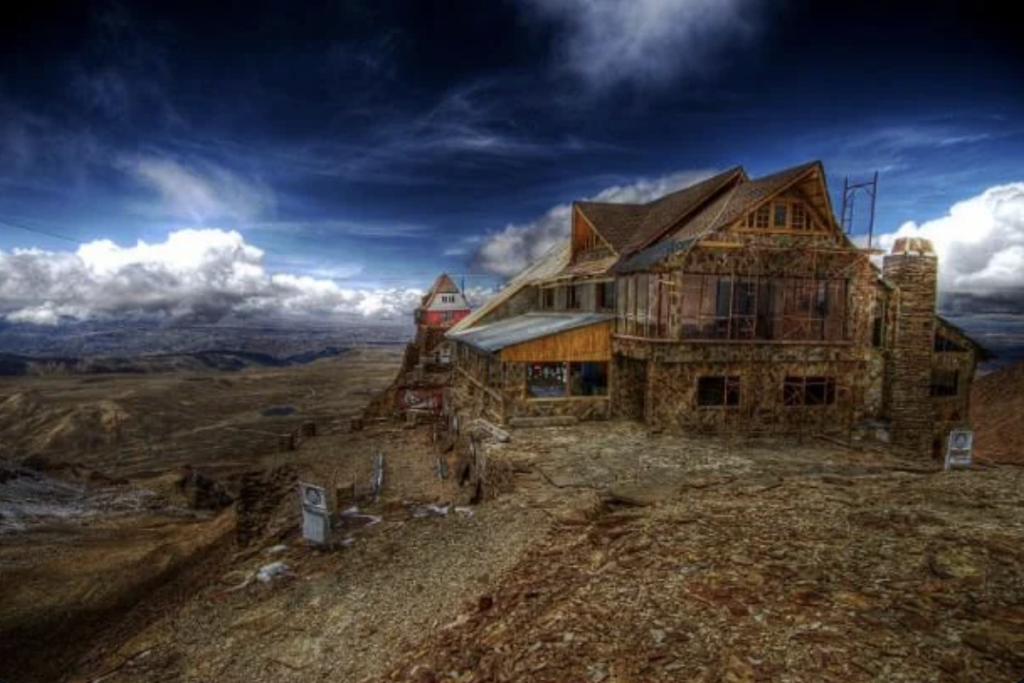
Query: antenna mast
[{"x": 850, "y": 193}]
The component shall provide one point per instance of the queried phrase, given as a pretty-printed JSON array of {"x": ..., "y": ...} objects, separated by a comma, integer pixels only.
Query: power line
[{"x": 4, "y": 221}]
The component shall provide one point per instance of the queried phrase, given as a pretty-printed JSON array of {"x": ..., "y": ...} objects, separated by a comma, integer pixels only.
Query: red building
[{"x": 441, "y": 307}]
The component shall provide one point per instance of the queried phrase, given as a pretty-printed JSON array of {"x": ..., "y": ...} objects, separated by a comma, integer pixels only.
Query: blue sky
[{"x": 372, "y": 145}]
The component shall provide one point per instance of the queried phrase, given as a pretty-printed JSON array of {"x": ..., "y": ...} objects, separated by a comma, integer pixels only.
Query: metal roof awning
[{"x": 524, "y": 328}]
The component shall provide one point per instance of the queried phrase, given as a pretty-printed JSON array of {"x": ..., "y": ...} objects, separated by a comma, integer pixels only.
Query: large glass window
[
  {"x": 718, "y": 392},
  {"x": 725, "y": 307},
  {"x": 588, "y": 379},
  {"x": 566, "y": 380},
  {"x": 546, "y": 380}
]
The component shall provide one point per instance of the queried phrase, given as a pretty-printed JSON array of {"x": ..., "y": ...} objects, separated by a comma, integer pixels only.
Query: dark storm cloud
[{"x": 391, "y": 137}]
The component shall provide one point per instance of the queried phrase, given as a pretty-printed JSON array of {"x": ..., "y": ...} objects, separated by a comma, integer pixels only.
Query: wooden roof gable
[
  {"x": 732, "y": 205},
  {"x": 627, "y": 228},
  {"x": 442, "y": 285}
]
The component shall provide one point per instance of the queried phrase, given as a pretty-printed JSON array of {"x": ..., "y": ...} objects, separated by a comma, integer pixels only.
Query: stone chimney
[{"x": 913, "y": 268}]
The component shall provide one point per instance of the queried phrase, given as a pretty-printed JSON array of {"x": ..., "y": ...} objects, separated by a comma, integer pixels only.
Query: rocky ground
[
  {"x": 614, "y": 556},
  {"x": 597, "y": 553},
  {"x": 772, "y": 562}
]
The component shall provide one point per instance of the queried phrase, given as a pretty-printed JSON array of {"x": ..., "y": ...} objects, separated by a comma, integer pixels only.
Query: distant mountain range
[{"x": 141, "y": 347}]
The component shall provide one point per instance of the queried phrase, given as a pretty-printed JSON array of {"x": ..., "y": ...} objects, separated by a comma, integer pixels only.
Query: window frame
[
  {"x": 942, "y": 390},
  {"x": 731, "y": 392},
  {"x": 796, "y": 394}
]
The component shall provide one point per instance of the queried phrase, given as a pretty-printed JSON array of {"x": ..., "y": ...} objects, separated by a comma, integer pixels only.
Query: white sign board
[
  {"x": 316, "y": 520},
  {"x": 958, "y": 448}
]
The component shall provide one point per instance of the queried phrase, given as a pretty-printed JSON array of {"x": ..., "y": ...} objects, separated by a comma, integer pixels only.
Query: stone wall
[
  {"x": 671, "y": 401},
  {"x": 629, "y": 384},
  {"x": 952, "y": 412},
  {"x": 913, "y": 269},
  {"x": 668, "y": 384}
]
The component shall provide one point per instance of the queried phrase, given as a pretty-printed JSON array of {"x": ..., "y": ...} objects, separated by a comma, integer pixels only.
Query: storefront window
[{"x": 546, "y": 380}]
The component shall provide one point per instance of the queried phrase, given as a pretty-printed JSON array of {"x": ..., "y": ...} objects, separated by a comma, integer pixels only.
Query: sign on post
[
  {"x": 958, "y": 448},
  {"x": 316, "y": 518}
]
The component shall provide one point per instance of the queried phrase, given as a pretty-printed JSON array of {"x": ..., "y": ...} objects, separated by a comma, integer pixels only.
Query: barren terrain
[
  {"x": 94, "y": 516},
  {"x": 597, "y": 553},
  {"x": 618, "y": 556}
]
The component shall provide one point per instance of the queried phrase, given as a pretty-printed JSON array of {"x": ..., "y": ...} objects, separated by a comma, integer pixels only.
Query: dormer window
[{"x": 781, "y": 215}]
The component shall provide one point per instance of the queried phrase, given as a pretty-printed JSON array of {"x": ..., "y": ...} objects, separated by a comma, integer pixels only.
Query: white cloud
[
  {"x": 200, "y": 194},
  {"x": 200, "y": 274},
  {"x": 509, "y": 251},
  {"x": 607, "y": 42},
  {"x": 335, "y": 228},
  {"x": 980, "y": 245}
]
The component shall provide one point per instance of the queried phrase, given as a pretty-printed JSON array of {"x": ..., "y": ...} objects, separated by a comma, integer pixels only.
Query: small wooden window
[
  {"x": 762, "y": 217},
  {"x": 780, "y": 211},
  {"x": 809, "y": 391},
  {"x": 718, "y": 392},
  {"x": 605, "y": 294},
  {"x": 945, "y": 382},
  {"x": 574, "y": 297},
  {"x": 547, "y": 298},
  {"x": 799, "y": 217}
]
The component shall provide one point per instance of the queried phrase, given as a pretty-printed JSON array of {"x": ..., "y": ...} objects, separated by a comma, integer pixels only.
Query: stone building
[{"x": 735, "y": 304}]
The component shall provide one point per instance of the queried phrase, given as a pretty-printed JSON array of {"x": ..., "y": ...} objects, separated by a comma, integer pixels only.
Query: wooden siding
[{"x": 590, "y": 343}]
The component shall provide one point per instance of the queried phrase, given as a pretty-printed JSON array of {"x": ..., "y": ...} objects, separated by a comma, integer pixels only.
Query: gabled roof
[
  {"x": 523, "y": 328},
  {"x": 444, "y": 285},
  {"x": 553, "y": 260},
  {"x": 728, "y": 207},
  {"x": 741, "y": 200},
  {"x": 630, "y": 227}
]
